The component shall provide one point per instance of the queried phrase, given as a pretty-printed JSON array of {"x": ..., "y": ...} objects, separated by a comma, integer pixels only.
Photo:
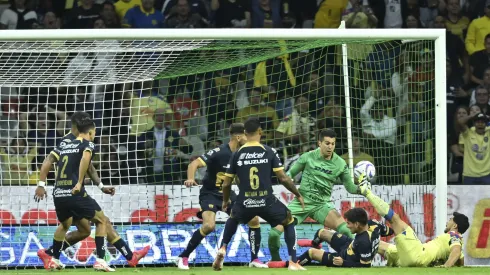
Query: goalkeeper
[{"x": 321, "y": 168}]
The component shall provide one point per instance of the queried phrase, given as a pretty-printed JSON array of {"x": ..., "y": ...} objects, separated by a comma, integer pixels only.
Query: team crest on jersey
[
  {"x": 239, "y": 163},
  {"x": 339, "y": 235}
]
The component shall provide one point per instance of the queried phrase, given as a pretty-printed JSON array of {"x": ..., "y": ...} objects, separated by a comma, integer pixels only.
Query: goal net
[{"x": 161, "y": 99}]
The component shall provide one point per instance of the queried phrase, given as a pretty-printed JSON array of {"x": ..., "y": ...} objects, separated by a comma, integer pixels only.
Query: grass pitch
[{"x": 232, "y": 270}]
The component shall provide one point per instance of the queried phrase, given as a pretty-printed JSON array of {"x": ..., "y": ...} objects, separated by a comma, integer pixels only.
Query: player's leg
[
  {"x": 113, "y": 237},
  {"x": 99, "y": 219},
  {"x": 275, "y": 233},
  {"x": 58, "y": 238},
  {"x": 319, "y": 255},
  {"x": 397, "y": 224},
  {"x": 208, "y": 226},
  {"x": 332, "y": 219},
  {"x": 254, "y": 238},
  {"x": 73, "y": 237}
]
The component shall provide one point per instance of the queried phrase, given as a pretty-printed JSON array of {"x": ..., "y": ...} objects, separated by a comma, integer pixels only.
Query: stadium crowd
[{"x": 150, "y": 131}]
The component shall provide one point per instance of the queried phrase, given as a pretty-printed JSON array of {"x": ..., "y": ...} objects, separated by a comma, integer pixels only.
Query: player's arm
[
  {"x": 454, "y": 254},
  {"x": 229, "y": 176},
  {"x": 191, "y": 171},
  {"x": 48, "y": 162},
  {"x": 94, "y": 176},
  {"x": 365, "y": 255},
  {"x": 285, "y": 180},
  {"x": 348, "y": 181},
  {"x": 298, "y": 166},
  {"x": 82, "y": 170}
]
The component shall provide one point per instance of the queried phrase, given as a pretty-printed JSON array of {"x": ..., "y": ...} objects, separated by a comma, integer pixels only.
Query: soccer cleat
[
  {"x": 138, "y": 255},
  {"x": 276, "y": 264},
  {"x": 183, "y": 263},
  {"x": 41, "y": 253},
  {"x": 101, "y": 265},
  {"x": 309, "y": 243},
  {"x": 258, "y": 264},
  {"x": 220, "y": 258},
  {"x": 55, "y": 264},
  {"x": 365, "y": 188},
  {"x": 295, "y": 266}
]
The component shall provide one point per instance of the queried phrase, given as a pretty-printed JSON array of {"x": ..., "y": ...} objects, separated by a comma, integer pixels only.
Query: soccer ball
[{"x": 365, "y": 167}]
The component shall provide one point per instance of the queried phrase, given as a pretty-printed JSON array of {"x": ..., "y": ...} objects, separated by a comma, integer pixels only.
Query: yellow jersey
[
  {"x": 476, "y": 152},
  {"x": 437, "y": 251},
  {"x": 123, "y": 6},
  {"x": 330, "y": 13},
  {"x": 458, "y": 28}
]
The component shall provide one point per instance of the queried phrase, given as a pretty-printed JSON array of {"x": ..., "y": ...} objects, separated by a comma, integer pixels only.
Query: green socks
[
  {"x": 275, "y": 244},
  {"x": 344, "y": 230}
]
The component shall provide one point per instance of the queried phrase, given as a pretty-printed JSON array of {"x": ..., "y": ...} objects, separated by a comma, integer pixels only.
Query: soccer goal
[{"x": 160, "y": 98}]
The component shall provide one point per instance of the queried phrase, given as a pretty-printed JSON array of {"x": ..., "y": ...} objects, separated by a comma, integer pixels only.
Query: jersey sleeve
[
  {"x": 276, "y": 161},
  {"x": 299, "y": 165},
  {"x": 207, "y": 158},
  {"x": 455, "y": 239},
  {"x": 56, "y": 152},
  {"x": 347, "y": 180},
  {"x": 89, "y": 147},
  {"x": 231, "y": 167}
]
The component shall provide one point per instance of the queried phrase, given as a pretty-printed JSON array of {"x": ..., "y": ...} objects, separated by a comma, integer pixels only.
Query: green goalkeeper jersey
[{"x": 320, "y": 175}]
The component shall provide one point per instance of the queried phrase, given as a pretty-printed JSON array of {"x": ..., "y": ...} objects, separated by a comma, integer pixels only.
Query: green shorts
[{"x": 314, "y": 210}]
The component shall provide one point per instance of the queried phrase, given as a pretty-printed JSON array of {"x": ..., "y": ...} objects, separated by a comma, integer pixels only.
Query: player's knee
[
  {"x": 107, "y": 221},
  {"x": 254, "y": 223},
  {"x": 208, "y": 227}
]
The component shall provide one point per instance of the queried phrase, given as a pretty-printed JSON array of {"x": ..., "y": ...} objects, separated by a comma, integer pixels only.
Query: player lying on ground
[
  {"x": 83, "y": 225},
  {"x": 357, "y": 252},
  {"x": 253, "y": 165},
  {"x": 211, "y": 196},
  {"x": 408, "y": 250},
  {"x": 321, "y": 169}
]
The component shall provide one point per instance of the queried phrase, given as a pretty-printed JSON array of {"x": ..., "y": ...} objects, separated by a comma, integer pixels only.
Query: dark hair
[
  {"x": 461, "y": 221},
  {"x": 326, "y": 133},
  {"x": 85, "y": 124},
  {"x": 357, "y": 215},
  {"x": 77, "y": 116},
  {"x": 252, "y": 125},
  {"x": 487, "y": 37},
  {"x": 237, "y": 129}
]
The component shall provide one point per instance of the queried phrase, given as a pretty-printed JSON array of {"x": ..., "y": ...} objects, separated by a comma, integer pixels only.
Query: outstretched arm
[
  {"x": 92, "y": 173},
  {"x": 298, "y": 166},
  {"x": 348, "y": 182},
  {"x": 454, "y": 256}
]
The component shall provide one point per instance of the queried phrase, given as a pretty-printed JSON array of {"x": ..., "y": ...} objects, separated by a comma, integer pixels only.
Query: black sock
[
  {"x": 193, "y": 243},
  {"x": 290, "y": 238},
  {"x": 100, "y": 247},
  {"x": 254, "y": 238},
  {"x": 57, "y": 246},
  {"x": 230, "y": 229},
  {"x": 64, "y": 246},
  {"x": 123, "y": 247},
  {"x": 305, "y": 258},
  {"x": 316, "y": 239}
]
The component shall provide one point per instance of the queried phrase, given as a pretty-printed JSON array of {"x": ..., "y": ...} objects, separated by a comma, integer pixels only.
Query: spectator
[
  {"x": 428, "y": 11},
  {"x": 109, "y": 16},
  {"x": 380, "y": 131},
  {"x": 231, "y": 13},
  {"x": 18, "y": 16},
  {"x": 476, "y": 150},
  {"x": 357, "y": 153},
  {"x": 453, "y": 140},
  {"x": 83, "y": 17},
  {"x": 474, "y": 110},
  {"x": 329, "y": 14},
  {"x": 360, "y": 17},
  {"x": 479, "y": 62},
  {"x": 456, "y": 23},
  {"x": 482, "y": 99},
  {"x": 51, "y": 21},
  {"x": 478, "y": 31},
  {"x": 298, "y": 128},
  {"x": 455, "y": 94},
  {"x": 196, "y": 6},
  {"x": 486, "y": 84},
  {"x": 393, "y": 14},
  {"x": 266, "y": 13},
  {"x": 112, "y": 169},
  {"x": 16, "y": 161},
  {"x": 183, "y": 17},
  {"x": 455, "y": 51},
  {"x": 267, "y": 115},
  {"x": 122, "y": 6},
  {"x": 167, "y": 152},
  {"x": 412, "y": 22},
  {"x": 143, "y": 17},
  {"x": 99, "y": 23}
]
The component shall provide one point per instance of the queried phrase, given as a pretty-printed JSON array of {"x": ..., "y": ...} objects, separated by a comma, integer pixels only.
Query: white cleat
[
  {"x": 55, "y": 264},
  {"x": 257, "y": 264},
  {"x": 295, "y": 266},
  {"x": 101, "y": 265},
  {"x": 183, "y": 263},
  {"x": 220, "y": 258}
]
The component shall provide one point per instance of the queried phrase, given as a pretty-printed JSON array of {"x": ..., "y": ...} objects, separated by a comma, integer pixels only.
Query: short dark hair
[
  {"x": 461, "y": 221},
  {"x": 85, "y": 124},
  {"x": 326, "y": 133},
  {"x": 237, "y": 129},
  {"x": 252, "y": 125},
  {"x": 77, "y": 116},
  {"x": 357, "y": 215}
]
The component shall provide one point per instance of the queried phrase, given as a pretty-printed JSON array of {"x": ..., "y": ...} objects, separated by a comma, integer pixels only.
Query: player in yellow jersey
[{"x": 408, "y": 250}]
